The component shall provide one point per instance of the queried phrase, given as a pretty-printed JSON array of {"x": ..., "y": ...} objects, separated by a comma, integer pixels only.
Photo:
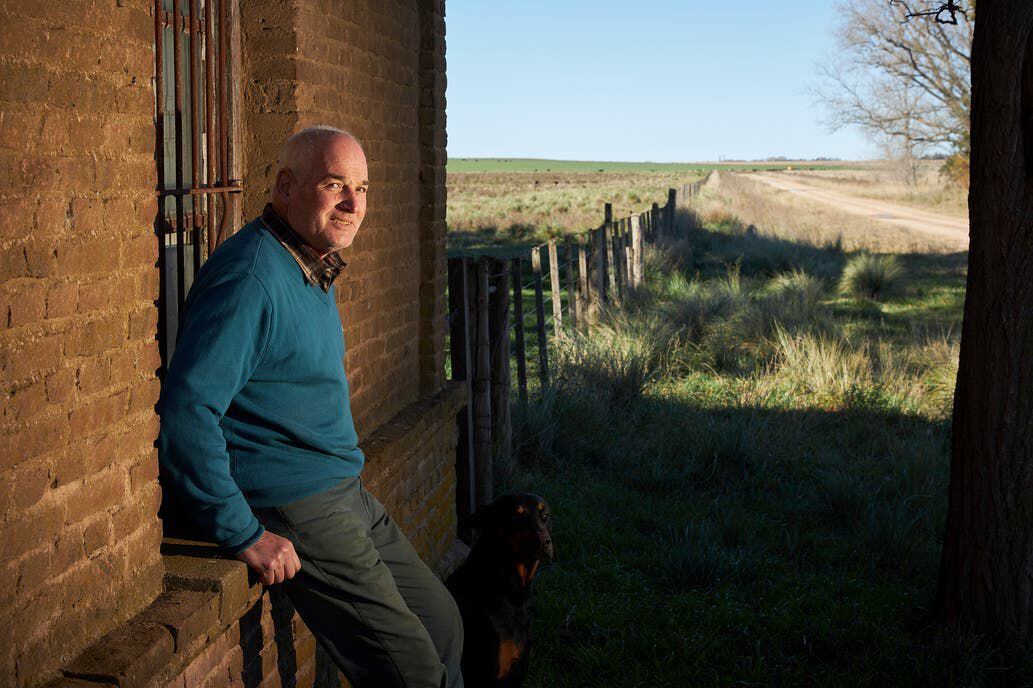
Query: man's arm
[{"x": 223, "y": 338}]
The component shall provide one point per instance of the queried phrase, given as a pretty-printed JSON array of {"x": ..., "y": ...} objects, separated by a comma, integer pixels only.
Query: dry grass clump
[{"x": 872, "y": 276}]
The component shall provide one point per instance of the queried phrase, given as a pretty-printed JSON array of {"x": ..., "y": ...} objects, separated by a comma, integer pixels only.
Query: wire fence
[{"x": 497, "y": 304}]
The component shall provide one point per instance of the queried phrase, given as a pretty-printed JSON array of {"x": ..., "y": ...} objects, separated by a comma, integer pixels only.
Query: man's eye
[
  {"x": 361, "y": 189},
  {"x": 334, "y": 185}
]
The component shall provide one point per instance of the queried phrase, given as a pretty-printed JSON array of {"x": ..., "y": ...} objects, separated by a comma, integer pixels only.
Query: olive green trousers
[{"x": 380, "y": 613}]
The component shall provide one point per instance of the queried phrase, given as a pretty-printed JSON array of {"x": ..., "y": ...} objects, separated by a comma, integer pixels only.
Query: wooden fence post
[
  {"x": 611, "y": 262},
  {"x": 483, "y": 480},
  {"x": 539, "y": 308},
  {"x": 556, "y": 289},
  {"x": 518, "y": 320},
  {"x": 573, "y": 302},
  {"x": 655, "y": 224},
  {"x": 605, "y": 280},
  {"x": 629, "y": 253},
  {"x": 459, "y": 344},
  {"x": 582, "y": 265},
  {"x": 672, "y": 200},
  {"x": 636, "y": 251},
  {"x": 498, "y": 332}
]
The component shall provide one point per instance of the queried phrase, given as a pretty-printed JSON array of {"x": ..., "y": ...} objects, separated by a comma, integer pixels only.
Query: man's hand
[{"x": 272, "y": 557}]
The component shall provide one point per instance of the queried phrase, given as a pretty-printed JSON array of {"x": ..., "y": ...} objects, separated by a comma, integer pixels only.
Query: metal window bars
[{"x": 195, "y": 100}]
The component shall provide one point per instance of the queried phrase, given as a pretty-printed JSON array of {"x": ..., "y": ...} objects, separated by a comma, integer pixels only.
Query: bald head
[
  {"x": 320, "y": 186},
  {"x": 298, "y": 152}
]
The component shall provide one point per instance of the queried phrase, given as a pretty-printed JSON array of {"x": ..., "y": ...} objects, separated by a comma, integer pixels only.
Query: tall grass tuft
[
  {"x": 872, "y": 276},
  {"x": 615, "y": 361}
]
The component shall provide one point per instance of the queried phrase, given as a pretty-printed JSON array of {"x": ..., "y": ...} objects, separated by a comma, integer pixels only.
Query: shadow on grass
[{"x": 707, "y": 540}]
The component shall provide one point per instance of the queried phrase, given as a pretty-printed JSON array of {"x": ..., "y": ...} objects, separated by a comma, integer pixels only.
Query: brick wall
[{"x": 79, "y": 535}]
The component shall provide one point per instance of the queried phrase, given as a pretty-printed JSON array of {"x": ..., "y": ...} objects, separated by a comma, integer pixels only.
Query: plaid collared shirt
[{"x": 321, "y": 271}]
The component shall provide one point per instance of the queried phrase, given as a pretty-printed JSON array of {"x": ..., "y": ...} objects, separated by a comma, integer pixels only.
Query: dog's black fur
[{"x": 493, "y": 589}]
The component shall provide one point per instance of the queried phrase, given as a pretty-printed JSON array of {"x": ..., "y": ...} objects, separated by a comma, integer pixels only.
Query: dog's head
[{"x": 516, "y": 526}]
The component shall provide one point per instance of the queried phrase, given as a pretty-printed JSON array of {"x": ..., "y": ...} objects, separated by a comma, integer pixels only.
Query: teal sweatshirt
[{"x": 254, "y": 406}]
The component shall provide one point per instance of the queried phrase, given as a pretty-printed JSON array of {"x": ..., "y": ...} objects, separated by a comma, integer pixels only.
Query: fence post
[
  {"x": 611, "y": 262},
  {"x": 556, "y": 289},
  {"x": 655, "y": 224},
  {"x": 582, "y": 265},
  {"x": 483, "y": 480},
  {"x": 573, "y": 302},
  {"x": 602, "y": 269},
  {"x": 629, "y": 253},
  {"x": 672, "y": 200},
  {"x": 459, "y": 344},
  {"x": 636, "y": 250},
  {"x": 498, "y": 326},
  {"x": 539, "y": 308},
  {"x": 518, "y": 318}
]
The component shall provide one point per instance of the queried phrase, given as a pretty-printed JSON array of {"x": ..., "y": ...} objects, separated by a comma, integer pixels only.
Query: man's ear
[{"x": 284, "y": 182}]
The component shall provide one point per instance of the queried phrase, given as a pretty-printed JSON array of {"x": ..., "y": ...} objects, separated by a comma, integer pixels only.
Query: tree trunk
[{"x": 986, "y": 575}]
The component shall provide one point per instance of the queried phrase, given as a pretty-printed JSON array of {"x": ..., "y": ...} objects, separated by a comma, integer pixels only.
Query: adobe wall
[{"x": 79, "y": 535}]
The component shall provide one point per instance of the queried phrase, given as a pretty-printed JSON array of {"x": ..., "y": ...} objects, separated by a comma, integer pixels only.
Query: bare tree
[{"x": 906, "y": 83}]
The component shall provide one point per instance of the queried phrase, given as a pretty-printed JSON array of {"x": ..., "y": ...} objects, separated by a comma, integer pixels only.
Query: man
[{"x": 257, "y": 439}]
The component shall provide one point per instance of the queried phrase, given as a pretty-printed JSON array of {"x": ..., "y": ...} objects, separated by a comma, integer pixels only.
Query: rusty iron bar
[
  {"x": 195, "y": 130},
  {"x": 182, "y": 25},
  {"x": 180, "y": 254},
  {"x": 233, "y": 188},
  {"x": 159, "y": 150},
  {"x": 223, "y": 132},
  {"x": 209, "y": 119}
]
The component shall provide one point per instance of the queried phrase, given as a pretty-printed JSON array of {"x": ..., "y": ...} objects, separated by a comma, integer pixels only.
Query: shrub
[
  {"x": 797, "y": 285},
  {"x": 872, "y": 276}
]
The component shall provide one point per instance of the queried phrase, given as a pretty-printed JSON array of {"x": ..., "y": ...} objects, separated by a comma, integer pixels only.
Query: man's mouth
[{"x": 340, "y": 221}]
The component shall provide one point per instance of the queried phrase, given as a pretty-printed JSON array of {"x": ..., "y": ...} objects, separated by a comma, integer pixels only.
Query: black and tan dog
[{"x": 493, "y": 588}]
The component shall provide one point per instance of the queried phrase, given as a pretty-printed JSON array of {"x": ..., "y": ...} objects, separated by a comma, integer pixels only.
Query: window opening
[{"x": 195, "y": 41}]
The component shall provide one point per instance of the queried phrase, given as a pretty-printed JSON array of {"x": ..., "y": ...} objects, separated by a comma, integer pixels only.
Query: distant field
[
  {"x": 543, "y": 165},
  {"x": 506, "y": 210}
]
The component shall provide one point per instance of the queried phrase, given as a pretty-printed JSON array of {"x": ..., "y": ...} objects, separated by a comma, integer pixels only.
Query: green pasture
[{"x": 544, "y": 165}]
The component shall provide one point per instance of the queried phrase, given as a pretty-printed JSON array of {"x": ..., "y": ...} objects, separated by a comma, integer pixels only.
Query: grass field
[
  {"x": 507, "y": 165},
  {"x": 747, "y": 465}
]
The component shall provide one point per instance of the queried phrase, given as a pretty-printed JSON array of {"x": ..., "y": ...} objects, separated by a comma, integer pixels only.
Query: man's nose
[{"x": 348, "y": 198}]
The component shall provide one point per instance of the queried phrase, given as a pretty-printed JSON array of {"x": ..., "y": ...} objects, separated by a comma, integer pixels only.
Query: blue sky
[{"x": 649, "y": 80}]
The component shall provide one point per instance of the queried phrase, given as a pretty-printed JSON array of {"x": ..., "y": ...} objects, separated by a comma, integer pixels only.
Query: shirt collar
[{"x": 321, "y": 271}]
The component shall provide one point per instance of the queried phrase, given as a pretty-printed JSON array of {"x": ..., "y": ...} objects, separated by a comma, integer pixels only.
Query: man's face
[{"x": 326, "y": 202}]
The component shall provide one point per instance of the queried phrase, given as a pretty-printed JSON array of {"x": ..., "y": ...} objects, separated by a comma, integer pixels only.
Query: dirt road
[{"x": 923, "y": 221}]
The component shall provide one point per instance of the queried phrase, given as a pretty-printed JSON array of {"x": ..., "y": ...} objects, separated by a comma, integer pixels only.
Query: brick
[
  {"x": 60, "y": 385},
  {"x": 190, "y": 616},
  {"x": 33, "y": 570},
  {"x": 144, "y": 395},
  {"x": 24, "y": 403},
  {"x": 26, "y": 356},
  {"x": 32, "y": 440},
  {"x": 97, "y": 535},
  {"x": 94, "y": 494},
  {"x": 61, "y": 299},
  {"x": 132, "y": 655},
  {"x": 88, "y": 258},
  {"x": 28, "y": 305},
  {"x": 97, "y": 414},
  {"x": 35, "y": 526},
  {"x": 143, "y": 507},
  {"x": 92, "y": 375},
  {"x": 95, "y": 336}
]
